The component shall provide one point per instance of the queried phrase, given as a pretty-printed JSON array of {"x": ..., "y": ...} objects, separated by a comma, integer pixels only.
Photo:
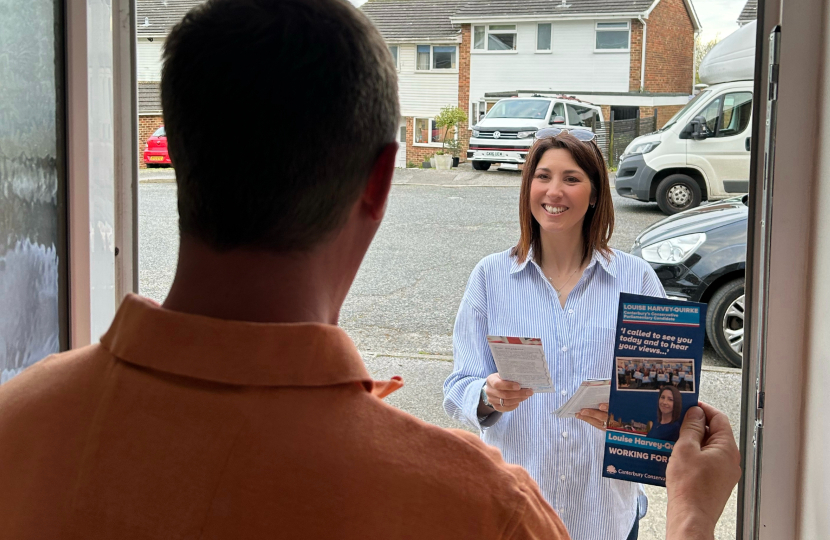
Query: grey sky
[{"x": 716, "y": 16}]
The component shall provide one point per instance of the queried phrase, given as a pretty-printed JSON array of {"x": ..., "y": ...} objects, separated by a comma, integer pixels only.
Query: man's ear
[{"x": 380, "y": 182}]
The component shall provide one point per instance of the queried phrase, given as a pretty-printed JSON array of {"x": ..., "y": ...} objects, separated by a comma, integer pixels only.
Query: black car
[{"x": 700, "y": 255}]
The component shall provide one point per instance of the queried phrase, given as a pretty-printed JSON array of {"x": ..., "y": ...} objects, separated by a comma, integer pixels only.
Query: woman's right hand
[{"x": 508, "y": 392}]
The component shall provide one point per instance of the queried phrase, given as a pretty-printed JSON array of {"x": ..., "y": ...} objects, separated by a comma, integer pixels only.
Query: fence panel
[{"x": 624, "y": 131}]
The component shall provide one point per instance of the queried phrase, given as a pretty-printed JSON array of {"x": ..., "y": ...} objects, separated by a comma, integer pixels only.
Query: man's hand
[
  {"x": 508, "y": 392},
  {"x": 596, "y": 417},
  {"x": 703, "y": 469}
]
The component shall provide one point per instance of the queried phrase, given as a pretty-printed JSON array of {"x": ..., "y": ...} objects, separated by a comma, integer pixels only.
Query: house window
[
  {"x": 543, "y": 37},
  {"x": 423, "y": 130},
  {"x": 426, "y": 133},
  {"x": 477, "y": 112},
  {"x": 443, "y": 57},
  {"x": 438, "y": 134},
  {"x": 436, "y": 57},
  {"x": 478, "y": 37},
  {"x": 423, "y": 57},
  {"x": 612, "y": 36},
  {"x": 495, "y": 37},
  {"x": 394, "y": 50}
]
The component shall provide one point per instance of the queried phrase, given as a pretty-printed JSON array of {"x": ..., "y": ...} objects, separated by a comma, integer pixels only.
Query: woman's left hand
[{"x": 596, "y": 417}]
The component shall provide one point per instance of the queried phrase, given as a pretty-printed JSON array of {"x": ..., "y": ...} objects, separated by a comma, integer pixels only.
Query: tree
[
  {"x": 449, "y": 117},
  {"x": 702, "y": 48}
]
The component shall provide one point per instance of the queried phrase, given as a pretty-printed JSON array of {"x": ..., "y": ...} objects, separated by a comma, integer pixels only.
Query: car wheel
[
  {"x": 725, "y": 322},
  {"x": 481, "y": 165},
  {"x": 678, "y": 192}
]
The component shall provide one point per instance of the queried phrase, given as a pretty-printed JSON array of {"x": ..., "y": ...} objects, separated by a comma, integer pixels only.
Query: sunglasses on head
[{"x": 581, "y": 134}]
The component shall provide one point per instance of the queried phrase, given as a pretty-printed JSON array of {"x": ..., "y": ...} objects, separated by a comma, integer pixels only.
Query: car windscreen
[
  {"x": 688, "y": 106},
  {"x": 520, "y": 108},
  {"x": 159, "y": 132}
]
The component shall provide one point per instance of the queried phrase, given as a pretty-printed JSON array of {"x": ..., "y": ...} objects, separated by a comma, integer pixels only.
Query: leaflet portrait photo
[{"x": 657, "y": 357}]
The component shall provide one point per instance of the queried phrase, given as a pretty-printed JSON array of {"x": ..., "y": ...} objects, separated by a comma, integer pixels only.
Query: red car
[{"x": 155, "y": 153}]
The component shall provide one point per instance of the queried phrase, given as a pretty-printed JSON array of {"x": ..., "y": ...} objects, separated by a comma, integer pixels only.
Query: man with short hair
[{"x": 238, "y": 409}]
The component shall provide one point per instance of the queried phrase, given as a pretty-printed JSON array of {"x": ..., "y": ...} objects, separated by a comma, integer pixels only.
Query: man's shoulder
[
  {"x": 47, "y": 381},
  {"x": 454, "y": 467}
]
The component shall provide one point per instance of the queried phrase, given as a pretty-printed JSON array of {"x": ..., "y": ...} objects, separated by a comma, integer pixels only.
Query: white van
[
  {"x": 702, "y": 153},
  {"x": 507, "y": 132}
]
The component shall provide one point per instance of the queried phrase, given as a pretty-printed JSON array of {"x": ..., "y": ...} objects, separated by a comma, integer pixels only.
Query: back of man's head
[{"x": 275, "y": 112}]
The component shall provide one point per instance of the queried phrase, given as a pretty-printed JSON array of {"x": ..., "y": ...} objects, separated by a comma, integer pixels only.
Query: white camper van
[
  {"x": 702, "y": 153},
  {"x": 507, "y": 132}
]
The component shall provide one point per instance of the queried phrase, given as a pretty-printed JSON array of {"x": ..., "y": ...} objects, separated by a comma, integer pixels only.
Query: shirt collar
[
  {"x": 609, "y": 266},
  {"x": 233, "y": 352}
]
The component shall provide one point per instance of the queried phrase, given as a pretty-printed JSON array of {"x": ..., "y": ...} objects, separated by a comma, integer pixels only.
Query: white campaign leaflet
[
  {"x": 521, "y": 360},
  {"x": 590, "y": 395}
]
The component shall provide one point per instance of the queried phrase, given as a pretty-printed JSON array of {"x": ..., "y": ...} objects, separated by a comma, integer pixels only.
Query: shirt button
[
  {"x": 564, "y": 392},
  {"x": 561, "y": 510},
  {"x": 564, "y": 349},
  {"x": 562, "y": 477},
  {"x": 564, "y": 434},
  {"x": 570, "y": 312}
]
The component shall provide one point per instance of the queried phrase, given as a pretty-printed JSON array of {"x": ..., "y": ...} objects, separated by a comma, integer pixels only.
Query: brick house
[
  {"x": 632, "y": 57},
  {"x": 433, "y": 68},
  {"x": 154, "y": 20}
]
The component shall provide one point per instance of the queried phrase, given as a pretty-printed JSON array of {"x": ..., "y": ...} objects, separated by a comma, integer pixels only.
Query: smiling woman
[{"x": 559, "y": 283}]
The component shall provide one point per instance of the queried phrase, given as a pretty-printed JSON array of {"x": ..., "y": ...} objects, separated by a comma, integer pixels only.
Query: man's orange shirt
[{"x": 181, "y": 427}]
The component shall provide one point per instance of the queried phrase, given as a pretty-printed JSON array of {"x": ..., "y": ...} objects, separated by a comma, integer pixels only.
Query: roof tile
[
  {"x": 158, "y": 17},
  {"x": 411, "y": 19},
  {"x": 749, "y": 13}
]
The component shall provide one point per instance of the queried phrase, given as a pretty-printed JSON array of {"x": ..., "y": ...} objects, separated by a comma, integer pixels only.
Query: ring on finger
[
  {"x": 501, "y": 402},
  {"x": 605, "y": 423}
]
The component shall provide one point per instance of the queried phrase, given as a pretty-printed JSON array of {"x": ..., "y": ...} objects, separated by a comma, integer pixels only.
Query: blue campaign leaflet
[{"x": 657, "y": 356}]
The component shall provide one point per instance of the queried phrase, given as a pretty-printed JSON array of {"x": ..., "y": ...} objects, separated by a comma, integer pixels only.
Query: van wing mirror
[
  {"x": 698, "y": 129},
  {"x": 558, "y": 120}
]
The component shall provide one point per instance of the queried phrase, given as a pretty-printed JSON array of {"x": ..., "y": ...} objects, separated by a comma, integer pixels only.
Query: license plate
[
  {"x": 156, "y": 158},
  {"x": 495, "y": 154}
]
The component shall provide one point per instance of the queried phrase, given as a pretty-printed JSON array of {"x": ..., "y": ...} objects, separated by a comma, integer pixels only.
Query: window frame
[
  {"x": 432, "y": 58},
  {"x": 476, "y": 108},
  {"x": 549, "y": 50},
  {"x": 701, "y": 110},
  {"x": 487, "y": 33},
  {"x": 597, "y": 30},
  {"x": 396, "y": 56},
  {"x": 431, "y": 127},
  {"x": 722, "y": 98}
]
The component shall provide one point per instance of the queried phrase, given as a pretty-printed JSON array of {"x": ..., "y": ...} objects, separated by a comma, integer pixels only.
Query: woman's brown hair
[
  {"x": 678, "y": 403},
  {"x": 599, "y": 220}
]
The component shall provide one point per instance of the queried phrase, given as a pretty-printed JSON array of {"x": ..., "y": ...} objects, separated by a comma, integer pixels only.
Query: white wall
[
  {"x": 424, "y": 93},
  {"x": 814, "y": 520},
  {"x": 149, "y": 59},
  {"x": 572, "y": 66}
]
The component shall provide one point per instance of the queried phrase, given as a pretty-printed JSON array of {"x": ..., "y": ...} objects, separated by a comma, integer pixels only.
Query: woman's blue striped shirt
[{"x": 507, "y": 298}]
